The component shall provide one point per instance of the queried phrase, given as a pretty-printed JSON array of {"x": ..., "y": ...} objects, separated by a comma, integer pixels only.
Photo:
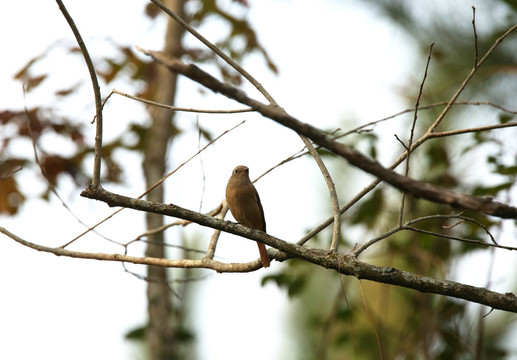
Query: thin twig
[
  {"x": 343, "y": 264},
  {"x": 189, "y": 159},
  {"x": 92, "y": 228},
  {"x": 295, "y": 156},
  {"x": 176, "y": 108},
  {"x": 482, "y": 311},
  {"x": 97, "y": 94},
  {"x": 330, "y": 321},
  {"x": 216, "y": 50},
  {"x": 408, "y": 226},
  {"x": 262, "y": 90},
  {"x": 173, "y": 246},
  {"x": 272, "y": 102},
  {"x": 51, "y": 186},
  {"x": 461, "y": 217},
  {"x": 201, "y": 164},
  {"x": 412, "y": 133},
  {"x": 448, "y": 106},
  {"x": 471, "y": 241},
  {"x": 210, "y": 252},
  {"x": 489, "y": 52},
  {"x": 370, "y": 318},
  {"x": 10, "y": 172},
  {"x": 217, "y": 210},
  {"x": 155, "y": 280},
  {"x": 155, "y": 185},
  {"x": 316, "y": 230},
  {"x": 475, "y": 36},
  {"x": 471, "y": 130},
  {"x": 400, "y": 142},
  {"x": 332, "y": 191},
  {"x": 417, "y": 188},
  {"x": 426, "y": 107}
]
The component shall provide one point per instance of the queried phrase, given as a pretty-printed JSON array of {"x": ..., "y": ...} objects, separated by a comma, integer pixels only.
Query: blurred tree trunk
[{"x": 161, "y": 335}]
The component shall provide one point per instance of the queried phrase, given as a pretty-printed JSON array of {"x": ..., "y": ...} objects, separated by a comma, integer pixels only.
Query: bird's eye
[{"x": 236, "y": 171}]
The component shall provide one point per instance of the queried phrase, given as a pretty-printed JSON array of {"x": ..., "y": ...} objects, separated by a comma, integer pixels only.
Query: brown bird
[{"x": 244, "y": 203}]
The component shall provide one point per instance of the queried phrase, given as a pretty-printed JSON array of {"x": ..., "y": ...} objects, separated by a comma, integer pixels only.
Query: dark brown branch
[
  {"x": 216, "y": 50},
  {"x": 475, "y": 37},
  {"x": 416, "y": 188}
]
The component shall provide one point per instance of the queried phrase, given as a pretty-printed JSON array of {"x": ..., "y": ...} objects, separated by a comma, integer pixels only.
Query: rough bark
[{"x": 160, "y": 331}]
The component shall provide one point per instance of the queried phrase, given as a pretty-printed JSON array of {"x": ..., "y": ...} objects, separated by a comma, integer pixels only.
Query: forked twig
[
  {"x": 418, "y": 188},
  {"x": 323, "y": 169},
  {"x": 52, "y": 187},
  {"x": 155, "y": 184},
  {"x": 409, "y": 226},
  {"x": 216, "y": 50},
  {"x": 426, "y": 107},
  {"x": 343, "y": 265}
]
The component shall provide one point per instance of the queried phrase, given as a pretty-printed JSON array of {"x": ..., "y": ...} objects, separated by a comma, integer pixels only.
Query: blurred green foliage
[{"x": 330, "y": 316}]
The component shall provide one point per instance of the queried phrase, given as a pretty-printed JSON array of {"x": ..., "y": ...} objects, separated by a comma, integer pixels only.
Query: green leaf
[
  {"x": 137, "y": 333},
  {"x": 294, "y": 284},
  {"x": 369, "y": 210},
  {"x": 491, "y": 190},
  {"x": 506, "y": 170},
  {"x": 504, "y": 118}
]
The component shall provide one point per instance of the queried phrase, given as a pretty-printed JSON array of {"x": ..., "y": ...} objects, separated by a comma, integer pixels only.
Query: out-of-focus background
[{"x": 340, "y": 65}]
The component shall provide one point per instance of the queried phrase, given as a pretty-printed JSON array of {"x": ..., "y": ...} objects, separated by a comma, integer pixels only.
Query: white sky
[{"x": 339, "y": 66}]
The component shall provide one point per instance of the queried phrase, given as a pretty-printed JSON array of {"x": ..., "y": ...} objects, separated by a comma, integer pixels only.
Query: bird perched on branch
[{"x": 244, "y": 203}]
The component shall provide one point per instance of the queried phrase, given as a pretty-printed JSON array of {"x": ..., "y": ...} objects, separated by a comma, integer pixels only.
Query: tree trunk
[{"x": 161, "y": 335}]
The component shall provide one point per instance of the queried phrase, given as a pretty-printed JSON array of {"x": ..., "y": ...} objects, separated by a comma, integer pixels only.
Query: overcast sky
[{"x": 340, "y": 66}]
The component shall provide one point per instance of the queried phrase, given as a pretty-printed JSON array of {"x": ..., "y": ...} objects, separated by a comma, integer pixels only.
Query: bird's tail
[{"x": 263, "y": 255}]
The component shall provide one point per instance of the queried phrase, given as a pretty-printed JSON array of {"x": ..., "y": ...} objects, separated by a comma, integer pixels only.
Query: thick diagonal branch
[{"x": 416, "y": 188}]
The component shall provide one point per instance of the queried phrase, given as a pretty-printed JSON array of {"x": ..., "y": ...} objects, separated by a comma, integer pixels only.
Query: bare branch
[
  {"x": 453, "y": 99},
  {"x": 370, "y": 319},
  {"x": 376, "y": 182},
  {"x": 97, "y": 93},
  {"x": 50, "y": 184},
  {"x": 174, "y": 246},
  {"x": 216, "y": 50},
  {"x": 408, "y": 226},
  {"x": 417, "y": 188},
  {"x": 477, "y": 242},
  {"x": 427, "y": 107},
  {"x": 175, "y": 108},
  {"x": 156, "y": 184},
  {"x": 215, "y": 212},
  {"x": 471, "y": 130},
  {"x": 412, "y": 132},
  {"x": 272, "y": 102},
  {"x": 343, "y": 264},
  {"x": 475, "y": 36},
  {"x": 400, "y": 142},
  {"x": 210, "y": 253},
  {"x": 334, "y": 244}
]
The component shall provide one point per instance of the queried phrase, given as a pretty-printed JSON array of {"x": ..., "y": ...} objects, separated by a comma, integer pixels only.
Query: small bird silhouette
[{"x": 244, "y": 203}]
